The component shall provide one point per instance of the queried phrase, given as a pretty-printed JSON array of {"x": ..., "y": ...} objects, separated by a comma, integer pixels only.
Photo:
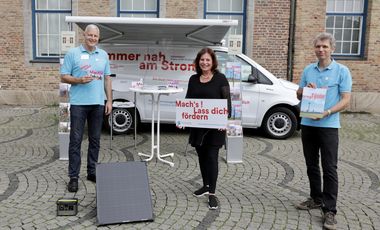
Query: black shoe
[
  {"x": 91, "y": 177},
  {"x": 73, "y": 185},
  {"x": 200, "y": 192},
  {"x": 212, "y": 202}
]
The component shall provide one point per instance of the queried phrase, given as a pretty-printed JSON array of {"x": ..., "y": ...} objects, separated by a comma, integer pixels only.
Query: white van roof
[{"x": 171, "y": 31}]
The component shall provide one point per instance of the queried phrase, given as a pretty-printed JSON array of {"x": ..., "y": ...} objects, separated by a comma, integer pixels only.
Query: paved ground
[{"x": 256, "y": 194}]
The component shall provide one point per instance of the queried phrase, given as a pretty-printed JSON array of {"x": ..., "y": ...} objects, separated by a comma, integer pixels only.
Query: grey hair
[
  {"x": 92, "y": 26},
  {"x": 325, "y": 36}
]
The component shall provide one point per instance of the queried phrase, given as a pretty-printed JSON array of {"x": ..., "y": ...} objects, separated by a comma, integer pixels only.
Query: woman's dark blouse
[{"x": 217, "y": 88}]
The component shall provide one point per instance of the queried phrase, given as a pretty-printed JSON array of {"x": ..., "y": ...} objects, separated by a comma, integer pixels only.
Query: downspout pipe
[{"x": 292, "y": 19}]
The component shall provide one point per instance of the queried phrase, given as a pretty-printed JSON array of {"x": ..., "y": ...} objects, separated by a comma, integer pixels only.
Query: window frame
[
  {"x": 362, "y": 32},
  {"x": 243, "y": 14},
  {"x": 35, "y": 12},
  {"x": 119, "y": 11}
]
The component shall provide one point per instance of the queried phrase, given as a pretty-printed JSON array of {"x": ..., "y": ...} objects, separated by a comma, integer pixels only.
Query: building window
[
  {"x": 48, "y": 18},
  {"x": 346, "y": 20},
  {"x": 228, "y": 9},
  {"x": 138, "y": 8}
]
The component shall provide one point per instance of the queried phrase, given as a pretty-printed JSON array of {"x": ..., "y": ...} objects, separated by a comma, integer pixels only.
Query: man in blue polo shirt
[
  {"x": 321, "y": 135},
  {"x": 87, "y": 69}
]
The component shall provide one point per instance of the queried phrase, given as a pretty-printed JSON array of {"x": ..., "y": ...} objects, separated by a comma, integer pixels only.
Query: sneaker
[
  {"x": 212, "y": 202},
  {"x": 73, "y": 185},
  {"x": 308, "y": 204},
  {"x": 91, "y": 177},
  {"x": 330, "y": 221},
  {"x": 200, "y": 192}
]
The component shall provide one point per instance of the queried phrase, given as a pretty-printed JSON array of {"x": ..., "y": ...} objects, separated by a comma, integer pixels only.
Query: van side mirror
[{"x": 252, "y": 78}]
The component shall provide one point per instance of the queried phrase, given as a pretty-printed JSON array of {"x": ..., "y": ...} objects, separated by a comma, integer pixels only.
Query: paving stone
[{"x": 259, "y": 193}]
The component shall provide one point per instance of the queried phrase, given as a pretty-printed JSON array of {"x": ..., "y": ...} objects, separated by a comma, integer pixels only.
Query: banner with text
[{"x": 203, "y": 113}]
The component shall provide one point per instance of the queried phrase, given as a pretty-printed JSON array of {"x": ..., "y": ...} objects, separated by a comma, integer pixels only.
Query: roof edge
[{"x": 151, "y": 21}]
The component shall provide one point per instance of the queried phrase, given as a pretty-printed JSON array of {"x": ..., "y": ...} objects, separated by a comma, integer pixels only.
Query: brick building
[{"x": 277, "y": 34}]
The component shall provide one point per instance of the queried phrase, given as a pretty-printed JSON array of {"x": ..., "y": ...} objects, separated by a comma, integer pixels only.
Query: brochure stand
[
  {"x": 64, "y": 121},
  {"x": 234, "y": 143},
  {"x": 67, "y": 42}
]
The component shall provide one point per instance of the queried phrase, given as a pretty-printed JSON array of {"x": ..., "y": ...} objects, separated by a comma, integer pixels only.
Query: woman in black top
[{"x": 208, "y": 83}]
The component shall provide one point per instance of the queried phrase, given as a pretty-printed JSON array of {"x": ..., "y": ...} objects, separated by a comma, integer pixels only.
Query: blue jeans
[
  {"x": 78, "y": 116},
  {"x": 325, "y": 141}
]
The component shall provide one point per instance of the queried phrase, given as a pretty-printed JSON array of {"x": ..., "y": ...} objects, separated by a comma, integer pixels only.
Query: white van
[{"x": 267, "y": 101}]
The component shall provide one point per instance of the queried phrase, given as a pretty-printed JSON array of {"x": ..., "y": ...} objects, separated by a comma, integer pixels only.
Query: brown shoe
[
  {"x": 329, "y": 221},
  {"x": 308, "y": 204}
]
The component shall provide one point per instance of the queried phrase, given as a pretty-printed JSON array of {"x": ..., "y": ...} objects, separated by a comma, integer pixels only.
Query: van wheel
[
  {"x": 122, "y": 120},
  {"x": 279, "y": 123}
]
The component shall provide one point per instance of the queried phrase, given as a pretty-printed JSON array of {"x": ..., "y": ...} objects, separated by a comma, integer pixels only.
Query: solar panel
[{"x": 123, "y": 193}]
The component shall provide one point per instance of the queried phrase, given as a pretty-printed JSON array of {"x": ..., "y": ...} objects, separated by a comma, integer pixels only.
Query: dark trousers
[
  {"x": 78, "y": 116},
  {"x": 325, "y": 141},
  {"x": 208, "y": 163}
]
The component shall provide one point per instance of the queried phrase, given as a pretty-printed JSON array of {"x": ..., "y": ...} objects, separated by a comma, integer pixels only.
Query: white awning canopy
[{"x": 174, "y": 31}]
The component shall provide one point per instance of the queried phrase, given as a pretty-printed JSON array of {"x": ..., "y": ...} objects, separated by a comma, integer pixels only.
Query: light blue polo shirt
[
  {"x": 78, "y": 62},
  {"x": 337, "y": 79}
]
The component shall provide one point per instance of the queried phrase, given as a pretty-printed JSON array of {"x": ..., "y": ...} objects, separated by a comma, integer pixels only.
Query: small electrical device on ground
[{"x": 67, "y": 206}]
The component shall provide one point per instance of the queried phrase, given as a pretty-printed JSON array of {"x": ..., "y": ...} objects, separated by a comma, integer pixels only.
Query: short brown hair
[{"x": 199, "y": 55}]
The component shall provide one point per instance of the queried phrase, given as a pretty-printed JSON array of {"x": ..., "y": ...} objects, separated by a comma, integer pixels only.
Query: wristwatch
[{"x": 329, "y": 112}]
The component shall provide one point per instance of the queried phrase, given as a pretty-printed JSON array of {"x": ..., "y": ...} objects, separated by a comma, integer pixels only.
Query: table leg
[
  {"x": 150, "y": 157},
  {"x": 135, "y": 131},
  {"x": 111, "y": 127},
  {"x": 158, "y": 137}
]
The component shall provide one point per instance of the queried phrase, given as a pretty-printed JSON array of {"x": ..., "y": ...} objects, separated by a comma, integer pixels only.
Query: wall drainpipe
[{"x": 292, "y": 20}]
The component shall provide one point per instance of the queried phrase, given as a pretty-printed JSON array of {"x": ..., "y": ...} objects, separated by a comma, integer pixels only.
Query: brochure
[{"x": 313, "y": 102}]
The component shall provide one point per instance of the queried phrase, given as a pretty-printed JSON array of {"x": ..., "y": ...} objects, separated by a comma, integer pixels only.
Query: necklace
[
  {"x": 205, "y": 78},
  {"x": 208, "y": 76}
]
